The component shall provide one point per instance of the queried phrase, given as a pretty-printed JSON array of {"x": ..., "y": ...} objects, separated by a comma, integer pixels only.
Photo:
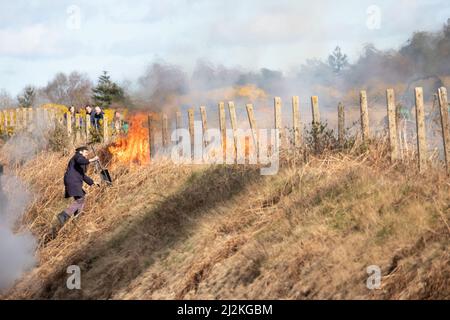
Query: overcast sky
[{"x": 40, "y": 38}]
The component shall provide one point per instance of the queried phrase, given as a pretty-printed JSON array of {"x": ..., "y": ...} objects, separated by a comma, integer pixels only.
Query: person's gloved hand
[{"x": 94, "y": 159}]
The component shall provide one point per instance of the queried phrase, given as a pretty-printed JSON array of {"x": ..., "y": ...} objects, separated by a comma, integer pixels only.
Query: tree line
[{"x": 74, "y": 89}]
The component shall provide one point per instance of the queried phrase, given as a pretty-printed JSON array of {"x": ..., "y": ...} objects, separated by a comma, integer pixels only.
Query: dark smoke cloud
[{"x": 161, "y": 85}]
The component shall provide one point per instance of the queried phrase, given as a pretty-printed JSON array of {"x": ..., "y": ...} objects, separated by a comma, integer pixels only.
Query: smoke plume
[{"x": 16, "y": 247}]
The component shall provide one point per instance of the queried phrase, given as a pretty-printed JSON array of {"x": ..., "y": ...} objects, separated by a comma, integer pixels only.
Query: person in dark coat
[
  {"x": 74, "y": 178},
  {"x": 90, "y": 113},
  {"x": 97, "y": 117}
]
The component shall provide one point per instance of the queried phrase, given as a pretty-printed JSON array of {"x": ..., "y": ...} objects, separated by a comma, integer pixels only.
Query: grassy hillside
[{"x": 194, "y": 232}]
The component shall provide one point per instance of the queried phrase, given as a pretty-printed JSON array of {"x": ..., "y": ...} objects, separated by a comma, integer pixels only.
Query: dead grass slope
[{"x": 225, "y": 232}]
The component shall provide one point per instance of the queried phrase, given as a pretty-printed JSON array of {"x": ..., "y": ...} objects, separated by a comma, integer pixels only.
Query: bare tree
[
  {"x": 72, "y": 89},
  {"x": 6, "y": 101}
]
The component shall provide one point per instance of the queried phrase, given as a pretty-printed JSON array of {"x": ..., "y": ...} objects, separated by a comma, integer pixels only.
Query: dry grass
[{"x": 190, "y": 232}]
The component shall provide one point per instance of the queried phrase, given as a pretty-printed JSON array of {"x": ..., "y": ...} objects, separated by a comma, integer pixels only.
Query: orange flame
[{"x": 134, "y": 147}]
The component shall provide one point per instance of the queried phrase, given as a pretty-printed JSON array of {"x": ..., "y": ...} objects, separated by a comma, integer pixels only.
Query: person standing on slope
[{"x": 73, "y": 182}]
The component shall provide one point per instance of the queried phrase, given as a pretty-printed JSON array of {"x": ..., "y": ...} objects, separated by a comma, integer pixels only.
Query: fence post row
[{"x": 22, "y": 118}]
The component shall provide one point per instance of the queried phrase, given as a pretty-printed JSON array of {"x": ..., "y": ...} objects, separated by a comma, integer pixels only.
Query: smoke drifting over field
[
  {"x": 423, "y": 60},
  {"x": 17, "y": 244},
  {"x": 16, "y": 247},
  {"x": 24, "y": 145}
]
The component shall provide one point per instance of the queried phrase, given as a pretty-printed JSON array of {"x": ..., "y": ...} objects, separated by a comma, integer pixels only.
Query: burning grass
[
  {"x": 165, "y": 231},
  {"x": 133, "y": 148}
]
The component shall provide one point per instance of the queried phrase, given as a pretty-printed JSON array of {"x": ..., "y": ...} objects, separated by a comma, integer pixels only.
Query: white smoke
[
  {"x": 25, "y": 144},
  {"x": 16, "y": 248}
]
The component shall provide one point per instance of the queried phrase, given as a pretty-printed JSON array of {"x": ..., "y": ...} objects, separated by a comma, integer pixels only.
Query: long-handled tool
[{"x": 104, "y": 173}]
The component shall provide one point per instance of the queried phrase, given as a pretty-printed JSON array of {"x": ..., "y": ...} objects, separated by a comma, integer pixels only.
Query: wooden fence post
[
  {"x": 23, "y": 118},
  {"x": 392, "y": 124},
  {"x": 178, "y": 123},
  {"x": 7, "y": 120},
  {"x": 315, "y": 119},
  {"x": 87, "y": 126},
  {"x": 30, "y": 117},
  {"x": 2, "y": 121},
  {"x": 421, "y": 134},
  {"x": 26, "y": 119},
  {"x": 233, "y": 121},
  {"x": 296, "y": 121},
  {"x": 204, "y": 125},
  {"x": 315, "y": 110},
  {"x": 19, "y": 120},
  {"x": 223, "y": 129},
  {"x": 20, "y": 116},
  {"x": 7, "y": 123},
  {"x": 364, "y": 116},
  {"x": 12, "y": 120},
  {"x": 191, "y": 130},
  {"x": 341, "y": 124},
  {"x": 277, "y": 116},
  {"x": 69, "y": 123},
  {"x": 45, "y": 117},
  {"x": 165, "y": 131},
  {"x": 443, "y": 107},
  {"x": 77, "y": 127},
  {"x": 252, "y": 122},
  {"x": 105, "y": 129},
  {"x": 151, "y": 138}
]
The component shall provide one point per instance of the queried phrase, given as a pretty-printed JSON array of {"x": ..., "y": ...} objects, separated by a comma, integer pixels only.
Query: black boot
[
  {"x": 62, "y": 218},
  {"x": 58, "y": 223}
]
